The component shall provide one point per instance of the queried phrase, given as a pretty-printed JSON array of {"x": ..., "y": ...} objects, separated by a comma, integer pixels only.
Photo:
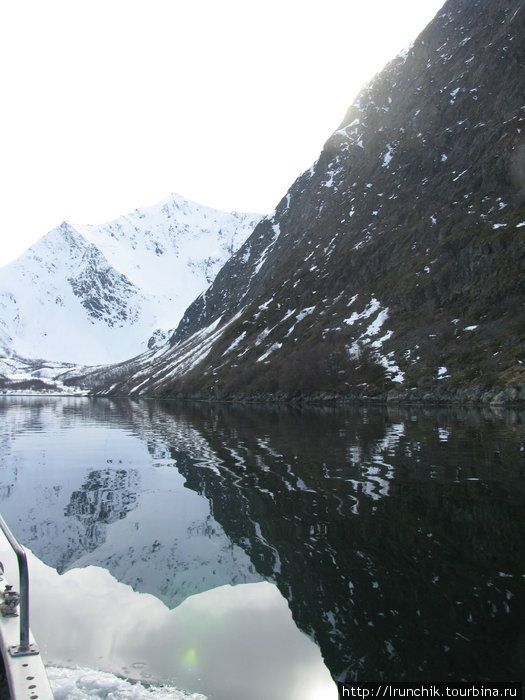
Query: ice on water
[{"x": 84, "y": 683}]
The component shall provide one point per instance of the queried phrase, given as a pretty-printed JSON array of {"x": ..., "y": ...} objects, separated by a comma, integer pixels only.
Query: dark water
[{"x": 396, "y": 536}]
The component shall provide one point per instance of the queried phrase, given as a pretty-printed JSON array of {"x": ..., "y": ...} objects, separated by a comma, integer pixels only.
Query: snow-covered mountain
[
  {"x": 393, "y": 267},
  {"x": 97, "y": 294}
]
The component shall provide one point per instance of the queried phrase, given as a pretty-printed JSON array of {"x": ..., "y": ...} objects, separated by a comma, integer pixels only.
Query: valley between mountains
[{"x": 393, "y": 269}]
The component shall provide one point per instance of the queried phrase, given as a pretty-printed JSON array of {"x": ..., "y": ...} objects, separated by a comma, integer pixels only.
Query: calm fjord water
[{"x": 264, "y": 549}]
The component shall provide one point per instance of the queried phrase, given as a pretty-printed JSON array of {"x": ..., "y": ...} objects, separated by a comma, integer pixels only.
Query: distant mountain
[
  {"x": 99, "y": 294},
  {"x": 394, "y": 267}
]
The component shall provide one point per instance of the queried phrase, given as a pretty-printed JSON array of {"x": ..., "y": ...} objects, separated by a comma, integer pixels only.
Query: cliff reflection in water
[{"x": 396, "y": 535}]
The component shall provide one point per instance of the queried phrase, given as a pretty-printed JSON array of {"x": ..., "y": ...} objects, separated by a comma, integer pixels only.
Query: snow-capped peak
[{"x": 95, "y": 294}]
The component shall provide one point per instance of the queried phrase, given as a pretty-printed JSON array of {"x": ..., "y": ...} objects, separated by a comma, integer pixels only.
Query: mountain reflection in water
[
  {"x": 396, "y": 534},
  {"x": 229, "y": 642}
]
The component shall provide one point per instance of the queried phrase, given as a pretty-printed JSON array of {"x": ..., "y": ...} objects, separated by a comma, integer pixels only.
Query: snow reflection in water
[
  {"x": 229, "y": 642},
  {"x": 400, "y": 552},
  {"x": 85, "y": 488}
]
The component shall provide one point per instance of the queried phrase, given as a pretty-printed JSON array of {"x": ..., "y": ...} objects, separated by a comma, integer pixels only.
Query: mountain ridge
[
  {"x": 393, "y": 268},
  {"x": 95, "y": 294}
]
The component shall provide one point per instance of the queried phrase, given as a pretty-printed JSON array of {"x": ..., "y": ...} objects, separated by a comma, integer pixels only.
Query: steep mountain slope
[
  {"x": 92, "y": 294},
  {"x": 394, "y": 266}
]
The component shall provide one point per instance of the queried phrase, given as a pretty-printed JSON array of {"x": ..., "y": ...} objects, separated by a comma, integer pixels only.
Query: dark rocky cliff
[{"x": 394, "y": 266}]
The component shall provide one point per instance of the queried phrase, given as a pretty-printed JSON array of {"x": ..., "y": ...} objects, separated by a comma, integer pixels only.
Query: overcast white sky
[{"x": 109, "y": 105}]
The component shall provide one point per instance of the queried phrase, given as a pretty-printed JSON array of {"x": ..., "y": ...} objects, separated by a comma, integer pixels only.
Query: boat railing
[{"x": 24, "y": 648}]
